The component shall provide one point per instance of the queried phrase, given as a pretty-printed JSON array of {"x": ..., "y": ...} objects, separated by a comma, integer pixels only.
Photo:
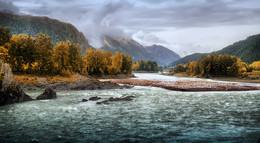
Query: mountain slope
[
  {"x": 57, "y": 30},
  {"x": 189, "y": 58},
  {"x": 160, "y": 54},
  {"x": 247, "y": 50}
]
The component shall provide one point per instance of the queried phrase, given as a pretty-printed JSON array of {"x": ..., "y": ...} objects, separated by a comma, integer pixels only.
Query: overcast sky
[{"x": 184, "y": 26}]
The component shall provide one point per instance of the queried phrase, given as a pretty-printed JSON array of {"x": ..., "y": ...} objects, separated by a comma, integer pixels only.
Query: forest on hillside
[
  {"x": 247, "y": 50},
  {"x": 38, "y": 55}
]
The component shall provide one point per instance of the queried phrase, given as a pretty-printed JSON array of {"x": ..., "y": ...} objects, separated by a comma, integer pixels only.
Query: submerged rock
[
  {"x": 47, "y": 94},
  {"x": 95, "y": 98},
  {"x": 103, "y": 102},
  {"x": 128, "y": 98},
  {"x": 10, "y": 92},
  {"x": 84, "y": 100},
  {"x": 115, "y": 99},
  {"x": 58, "y": 138},
  {"x": 34, "y": 141},
  {"x": 13, "y": 94}
]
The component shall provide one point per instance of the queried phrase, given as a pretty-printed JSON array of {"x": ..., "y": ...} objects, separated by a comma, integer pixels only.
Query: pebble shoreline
[{"x": 189, "y": 85}]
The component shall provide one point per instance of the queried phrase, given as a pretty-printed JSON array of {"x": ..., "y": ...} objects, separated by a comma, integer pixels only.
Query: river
[{"x": 155, "y": 115}]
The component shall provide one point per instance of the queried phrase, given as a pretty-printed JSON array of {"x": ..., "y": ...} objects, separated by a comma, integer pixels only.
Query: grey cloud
[
  {"x": 109, "y": 9},
  {"x": 100, "y": 22},
  {"x": 115, "y": 17},
  {"x": 8, "y": 7},
  {"x": 175, "y": 13},
  {"x": 93, "y": 21},
  {"x": 43, "y": 10},
  {"x": 196, "y": 14},
  {"x": 149, "y": 38}
]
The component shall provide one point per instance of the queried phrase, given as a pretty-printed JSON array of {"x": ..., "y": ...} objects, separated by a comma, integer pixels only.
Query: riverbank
[
  {"x": 74, "y": 82},
  {"x": 187, "y": 85},
  {"x": 232, "y": 79}
]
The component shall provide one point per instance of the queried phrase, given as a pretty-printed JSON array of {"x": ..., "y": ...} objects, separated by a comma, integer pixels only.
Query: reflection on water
[{"x": 155, "y": 115}]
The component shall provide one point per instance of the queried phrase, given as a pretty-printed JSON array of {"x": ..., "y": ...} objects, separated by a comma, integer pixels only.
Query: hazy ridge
[{"x": 160, "y": 54}]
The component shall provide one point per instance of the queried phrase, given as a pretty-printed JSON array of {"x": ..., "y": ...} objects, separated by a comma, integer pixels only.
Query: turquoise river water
[{"x": 155, "y": 115}]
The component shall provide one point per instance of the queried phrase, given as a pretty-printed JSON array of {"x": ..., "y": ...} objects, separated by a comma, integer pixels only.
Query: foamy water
[{"x": 155, "y": 115}]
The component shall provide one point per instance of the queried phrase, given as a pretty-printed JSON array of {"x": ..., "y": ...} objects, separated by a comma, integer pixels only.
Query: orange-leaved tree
[
  {"x": 22, "y": 52},
  {"x": 44, "y": 48}
]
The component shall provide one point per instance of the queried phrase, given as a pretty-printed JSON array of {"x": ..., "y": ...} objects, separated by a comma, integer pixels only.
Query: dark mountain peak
[
  {"x": 162, "y": 54},
  {"x": 121, "y": 40},
  {"x": 154, "y": 45},
  {"x": 158, "y": 53}
]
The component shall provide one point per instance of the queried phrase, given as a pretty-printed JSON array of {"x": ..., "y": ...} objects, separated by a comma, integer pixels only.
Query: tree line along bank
[
  {"x": 220, "y": 66},
  {"x": 37, "y": 55}
]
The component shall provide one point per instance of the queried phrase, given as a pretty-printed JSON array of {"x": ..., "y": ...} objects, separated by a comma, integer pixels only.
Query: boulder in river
[
  {"x": 127, "y": 98},
  {"x": 84, "y": 100},
  {"x": 47, "y": 94},
  {"x": 95, "y": 98},
  {"x": 12, "y": 94},
  {"x": 115, "y": 99}
]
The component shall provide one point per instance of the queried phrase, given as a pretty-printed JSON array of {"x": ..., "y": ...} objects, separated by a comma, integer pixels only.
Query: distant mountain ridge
[
  {"x": 247, "y": 50},
  {"x": 160, "y": 54},
  {"x": 57, "y": 30}
]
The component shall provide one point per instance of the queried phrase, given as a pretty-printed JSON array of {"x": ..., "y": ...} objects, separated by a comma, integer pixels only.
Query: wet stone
[
  {"x": 84, "y": 100},
  {"x": 95, "y": 98}
]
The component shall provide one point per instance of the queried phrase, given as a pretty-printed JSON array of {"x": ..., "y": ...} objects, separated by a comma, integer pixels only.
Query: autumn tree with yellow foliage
[
  {"x": 30, "y": 55},
  {"x": 117, "y": 61},
  {"x": 95, "y": 61},
  {"x": 61, "y": 58},
  {"x": 22, "y": 52},
  {"x": 76, "y": 60},
  {"x": 255, "y": 66},
  {"x": 99, "y": 63},
  {"x": 217, "y": 65},
  {"x": 44, "y": 49}
]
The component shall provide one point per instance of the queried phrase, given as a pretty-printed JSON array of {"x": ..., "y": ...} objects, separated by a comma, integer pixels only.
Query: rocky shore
[
  {"x": 85, "y": 85},
  {"x": 11, "y": 89},
  {"x": 75, "y": 82},
  {"x": 189, "y": 85},
  {"x": 10, "y": 92},
  {"x": 13, "y": 94}
]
